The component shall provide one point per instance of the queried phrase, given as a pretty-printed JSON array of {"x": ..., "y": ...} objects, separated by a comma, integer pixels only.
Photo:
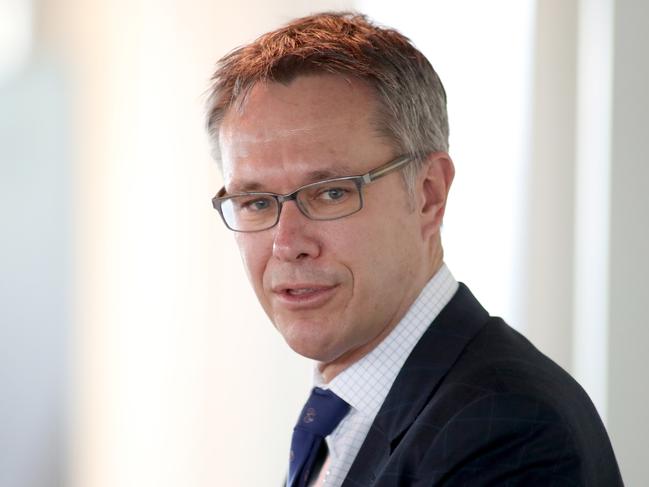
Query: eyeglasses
[{"x": 330, "y": 199}]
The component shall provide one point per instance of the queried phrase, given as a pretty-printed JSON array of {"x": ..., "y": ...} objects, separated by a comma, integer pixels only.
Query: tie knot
[{"x": 322, "y": 412}]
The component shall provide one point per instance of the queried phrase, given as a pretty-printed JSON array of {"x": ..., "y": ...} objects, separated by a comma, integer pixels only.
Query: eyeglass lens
[{"x": 326, "y": 200}]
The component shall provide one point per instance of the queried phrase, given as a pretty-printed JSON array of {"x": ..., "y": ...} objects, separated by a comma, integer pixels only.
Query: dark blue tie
[{"x": 319, "y": 417}]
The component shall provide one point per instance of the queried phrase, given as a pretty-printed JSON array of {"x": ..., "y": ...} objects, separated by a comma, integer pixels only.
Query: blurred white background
[{"x": 132, "y": 351}]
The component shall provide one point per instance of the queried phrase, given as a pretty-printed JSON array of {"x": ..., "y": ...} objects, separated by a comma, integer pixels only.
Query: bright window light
[{"x": 15, "y": 35}]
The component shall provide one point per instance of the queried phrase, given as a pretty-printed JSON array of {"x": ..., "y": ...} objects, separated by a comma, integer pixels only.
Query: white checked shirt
[{"x": 365, "y": 384}]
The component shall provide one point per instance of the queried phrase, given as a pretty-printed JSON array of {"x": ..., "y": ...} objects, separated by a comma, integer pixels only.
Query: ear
[{"x": 433, "y": 185}]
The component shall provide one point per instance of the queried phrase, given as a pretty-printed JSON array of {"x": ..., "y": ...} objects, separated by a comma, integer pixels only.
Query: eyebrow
[{"x": 311, "y": 177}]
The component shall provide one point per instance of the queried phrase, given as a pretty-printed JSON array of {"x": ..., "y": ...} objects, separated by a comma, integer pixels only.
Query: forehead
[{"x": 315, "y": 123}]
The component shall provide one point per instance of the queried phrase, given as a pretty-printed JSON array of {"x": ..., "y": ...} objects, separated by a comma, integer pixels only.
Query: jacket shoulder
[{"x": 506, "y": 411}]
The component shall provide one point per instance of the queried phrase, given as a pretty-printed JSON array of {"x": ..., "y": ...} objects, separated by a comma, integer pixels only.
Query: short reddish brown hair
[{"x": 411, "y": 97}]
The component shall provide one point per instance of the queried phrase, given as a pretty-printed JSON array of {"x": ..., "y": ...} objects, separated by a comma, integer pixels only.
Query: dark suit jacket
[{"x": 476, "y": 404}]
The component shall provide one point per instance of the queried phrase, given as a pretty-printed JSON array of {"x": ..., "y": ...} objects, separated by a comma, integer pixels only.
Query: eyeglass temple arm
[{"x": 388, "y": 168}]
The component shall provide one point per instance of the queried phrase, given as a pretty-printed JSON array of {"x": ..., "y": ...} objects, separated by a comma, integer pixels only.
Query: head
[{"x": 327, "y": 96}]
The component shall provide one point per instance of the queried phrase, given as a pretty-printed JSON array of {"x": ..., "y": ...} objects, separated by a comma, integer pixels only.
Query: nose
[{"x": 294, "y": 237}]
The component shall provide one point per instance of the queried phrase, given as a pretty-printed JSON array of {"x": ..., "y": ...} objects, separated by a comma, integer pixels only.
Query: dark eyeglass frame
[{"x": 360, "y": 181}]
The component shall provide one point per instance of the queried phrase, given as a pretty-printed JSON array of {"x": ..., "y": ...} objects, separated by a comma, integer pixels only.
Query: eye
[
  {"x": 332, "y": 194},
  {"x": 255, "y": 204}
]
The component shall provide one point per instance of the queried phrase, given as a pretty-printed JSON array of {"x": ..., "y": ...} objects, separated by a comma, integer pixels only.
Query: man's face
[{"x": 333, "y": 289}]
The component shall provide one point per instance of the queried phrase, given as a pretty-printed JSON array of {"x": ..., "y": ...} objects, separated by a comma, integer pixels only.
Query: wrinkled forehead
[{"x": 313, "y": 119}]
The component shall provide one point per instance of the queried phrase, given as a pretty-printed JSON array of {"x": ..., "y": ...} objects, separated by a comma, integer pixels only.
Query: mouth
[
  {"x": 300, "y": 291},
  {"x": 303, "y": 296}
]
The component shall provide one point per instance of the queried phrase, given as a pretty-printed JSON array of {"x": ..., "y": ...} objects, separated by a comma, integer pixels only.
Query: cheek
[
  {"x": 363, "y": 252},
  {"x": 384, "y": 254},
  {"x": 254, "y": 256}
]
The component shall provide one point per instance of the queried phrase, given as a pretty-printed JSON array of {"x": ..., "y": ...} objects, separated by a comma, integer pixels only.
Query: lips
[
  {"x": 300, "y": 291},
  {"x": 303, "y": 295}
]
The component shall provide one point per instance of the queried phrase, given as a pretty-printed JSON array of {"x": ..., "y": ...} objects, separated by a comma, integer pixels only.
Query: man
[{"x": 333, "y": 140}]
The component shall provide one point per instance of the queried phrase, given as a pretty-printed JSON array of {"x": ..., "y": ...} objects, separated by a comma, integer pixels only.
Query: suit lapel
[{"x": 430, "y": 360}]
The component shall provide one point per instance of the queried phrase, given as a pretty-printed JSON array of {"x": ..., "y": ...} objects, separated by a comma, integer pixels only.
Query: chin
[
  {"x": 315, "y": 339},
  {"x": 312, "y": 350},
  {"x": 313, "y": 347}
]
